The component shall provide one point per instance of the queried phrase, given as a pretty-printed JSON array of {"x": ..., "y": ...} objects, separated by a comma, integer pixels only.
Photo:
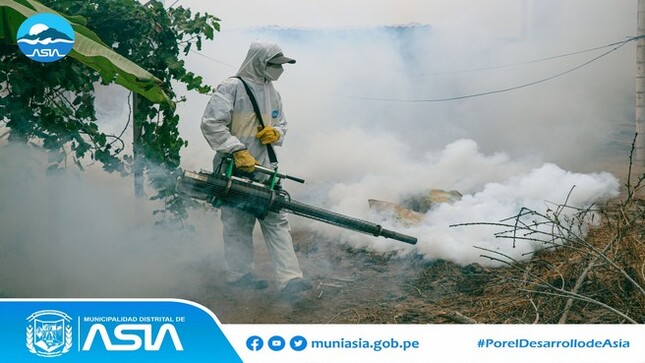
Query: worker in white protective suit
[{"x": 231, "y": 126}]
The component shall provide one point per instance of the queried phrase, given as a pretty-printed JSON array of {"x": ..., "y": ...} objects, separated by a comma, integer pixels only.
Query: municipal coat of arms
[{"x": 49, "y": 333}]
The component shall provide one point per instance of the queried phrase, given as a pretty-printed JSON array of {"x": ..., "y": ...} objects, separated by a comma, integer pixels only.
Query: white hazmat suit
[{"x": 229, "y": 124}]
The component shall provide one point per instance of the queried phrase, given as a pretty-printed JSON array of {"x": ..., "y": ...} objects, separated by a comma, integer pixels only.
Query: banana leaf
[{"x": 88, "y": 49}]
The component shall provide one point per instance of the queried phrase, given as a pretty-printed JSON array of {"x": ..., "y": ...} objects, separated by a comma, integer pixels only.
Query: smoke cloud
[
  {"x": 85, "y": 235},
  {"x": 355, "y": 135},
  {"x": 582, "y": 120},
  {"x": 495, "y": 188}
]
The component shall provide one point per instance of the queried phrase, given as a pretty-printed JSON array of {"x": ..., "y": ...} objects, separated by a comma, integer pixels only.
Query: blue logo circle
[
  {"x": 298, "y": 343},
  {"x": 254, "y": 343},
  {"x": 45, "y": 37},
  {"x": 276, "y": 343}
]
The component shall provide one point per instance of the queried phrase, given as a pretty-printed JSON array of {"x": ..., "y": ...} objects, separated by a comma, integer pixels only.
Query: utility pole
[{"x": 639, "y": 161}]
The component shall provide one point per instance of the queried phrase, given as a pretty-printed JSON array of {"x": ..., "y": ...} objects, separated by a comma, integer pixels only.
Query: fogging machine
[{"x": 227, "y": 186}]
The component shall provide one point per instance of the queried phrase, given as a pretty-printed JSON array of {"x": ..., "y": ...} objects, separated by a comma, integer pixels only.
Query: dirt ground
[{"x": 350, "y": 286}]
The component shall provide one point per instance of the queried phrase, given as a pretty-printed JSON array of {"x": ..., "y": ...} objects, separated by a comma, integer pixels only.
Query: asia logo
[
  {"x": 127, "y": 337},
  {"x": 49, "y": 333},
  {"x": 45, "y": 37}
]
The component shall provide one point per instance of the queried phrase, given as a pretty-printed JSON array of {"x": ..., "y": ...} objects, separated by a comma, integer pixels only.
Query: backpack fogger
[{"x": 222, "y": 187}]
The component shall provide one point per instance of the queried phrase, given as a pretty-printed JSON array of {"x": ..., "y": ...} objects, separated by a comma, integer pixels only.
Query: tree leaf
[{"x": 89, "y": 50}]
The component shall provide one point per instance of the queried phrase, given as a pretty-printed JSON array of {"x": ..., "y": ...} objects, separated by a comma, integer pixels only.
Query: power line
[
  {"x": 502, "y": 90},
  {"x": 213, "y": 59},
  {"x": 538, "y": 60}
]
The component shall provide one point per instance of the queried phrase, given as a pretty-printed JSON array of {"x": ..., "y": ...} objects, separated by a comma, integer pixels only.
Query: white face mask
[{"x": 274, "y": 71}]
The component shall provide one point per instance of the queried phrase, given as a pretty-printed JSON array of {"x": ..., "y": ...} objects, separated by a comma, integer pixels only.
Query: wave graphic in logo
[{"x": 45, "y": 37}]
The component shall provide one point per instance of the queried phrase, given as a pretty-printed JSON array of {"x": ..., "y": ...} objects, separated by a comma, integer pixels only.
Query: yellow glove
[
  {"x": 267, "y": 135},
  {"x": 244, "y": 161}
]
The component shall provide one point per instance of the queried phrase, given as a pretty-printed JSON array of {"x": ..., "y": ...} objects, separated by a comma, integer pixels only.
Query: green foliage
[
  {"x": 88, "y": 49},
  {"x": 53, "y": 103}
]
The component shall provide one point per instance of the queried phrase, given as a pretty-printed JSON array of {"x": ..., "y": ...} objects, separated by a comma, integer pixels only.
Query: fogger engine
[{"x": 222, "y": 187}]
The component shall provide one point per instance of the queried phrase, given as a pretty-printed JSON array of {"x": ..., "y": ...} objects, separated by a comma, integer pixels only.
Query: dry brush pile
[{"x": 583, "y": 275}]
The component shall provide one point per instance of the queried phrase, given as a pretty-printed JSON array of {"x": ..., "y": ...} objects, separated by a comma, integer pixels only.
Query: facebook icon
[{"x": 254, "y": 343}]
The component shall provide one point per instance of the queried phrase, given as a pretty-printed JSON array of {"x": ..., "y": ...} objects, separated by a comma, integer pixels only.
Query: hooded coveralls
[{"x": 229, "y": 124}]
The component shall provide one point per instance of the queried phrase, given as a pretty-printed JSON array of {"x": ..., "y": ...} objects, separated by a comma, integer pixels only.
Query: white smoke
[
  {"x": 582, "y": 120},
  {"x": 494, "y": 187},
  {"x": 85, "y": 235}
]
